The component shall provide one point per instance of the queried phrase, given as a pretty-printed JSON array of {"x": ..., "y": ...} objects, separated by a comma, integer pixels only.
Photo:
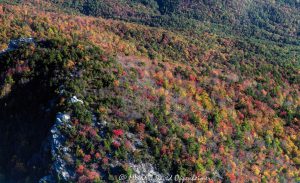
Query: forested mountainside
[
  {"x": 270, "y": 20},
  {"x": 117, "y": 91}
]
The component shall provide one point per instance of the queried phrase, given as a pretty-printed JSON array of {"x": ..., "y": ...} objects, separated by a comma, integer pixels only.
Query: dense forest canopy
[{"x": 271, "y": 20}]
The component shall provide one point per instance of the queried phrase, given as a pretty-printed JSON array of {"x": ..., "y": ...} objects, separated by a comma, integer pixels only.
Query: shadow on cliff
[{"x": 25, "y": 120}]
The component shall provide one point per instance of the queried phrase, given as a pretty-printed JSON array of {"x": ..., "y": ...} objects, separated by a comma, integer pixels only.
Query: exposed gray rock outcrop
[
  {"x": 142, "y": 173},
  {"x": 145, "y": 173},
  {"x": 58, "y": 151},
  {"x": 58, "y": 148},
  {"x": 48, "y": 179},
  {"x": 15, "y": 44},
  {"x": 74, "y": 99}
]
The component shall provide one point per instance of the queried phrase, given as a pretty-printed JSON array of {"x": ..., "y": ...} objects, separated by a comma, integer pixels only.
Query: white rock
[
  {"x": 145, "y": 173},
  {"x": 58, "y": 148},
  {"x": 47, "y": 179},
  {"x": 74, "y": 99},
  {"x": 60, "y": 118}
]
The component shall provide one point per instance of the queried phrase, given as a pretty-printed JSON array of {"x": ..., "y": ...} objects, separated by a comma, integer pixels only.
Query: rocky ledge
[
  {"x": 15, "y": 44},
  {"x": 62, "y": 168}
]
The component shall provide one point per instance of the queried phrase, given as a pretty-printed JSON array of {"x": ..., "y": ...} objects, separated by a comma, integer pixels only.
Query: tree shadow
[{"x": 26, "y": 115}]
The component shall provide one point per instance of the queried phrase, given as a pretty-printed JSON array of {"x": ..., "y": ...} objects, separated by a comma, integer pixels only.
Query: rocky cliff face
[
  {"x": 64, "y": 162},
  {"x": 15, "y": 44}
]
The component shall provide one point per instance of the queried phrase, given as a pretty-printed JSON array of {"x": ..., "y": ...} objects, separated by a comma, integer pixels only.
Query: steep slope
[
  {"x": 271, "y": 20},
  {"x": 30, "y": 77},
  {"x": 178, "y": 103}
]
